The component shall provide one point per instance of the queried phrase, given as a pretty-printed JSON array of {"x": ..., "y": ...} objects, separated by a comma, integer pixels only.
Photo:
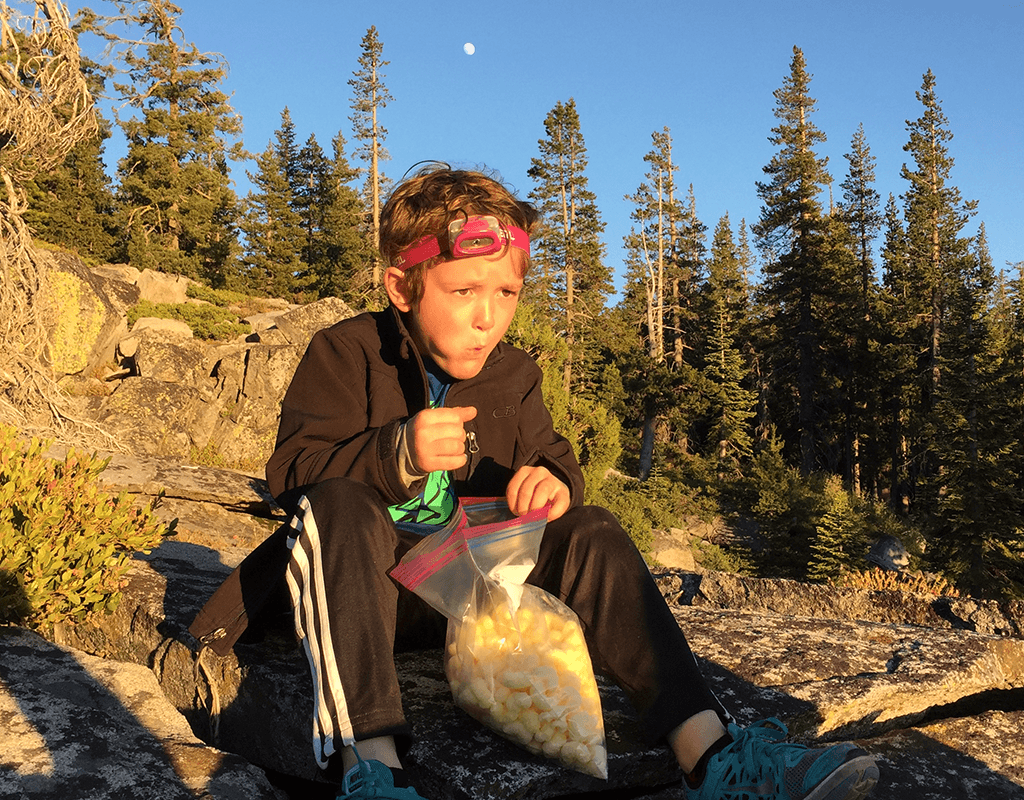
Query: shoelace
[
  {"x": 354, "y": 781},
  {"x": 761, "y": 737}
]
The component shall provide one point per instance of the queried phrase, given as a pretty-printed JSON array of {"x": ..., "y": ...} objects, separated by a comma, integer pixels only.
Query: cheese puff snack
[{"x": 526, "y": 674}]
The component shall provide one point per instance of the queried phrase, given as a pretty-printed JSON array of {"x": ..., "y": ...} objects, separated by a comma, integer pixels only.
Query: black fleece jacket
[{"x": 363, "y": 377}]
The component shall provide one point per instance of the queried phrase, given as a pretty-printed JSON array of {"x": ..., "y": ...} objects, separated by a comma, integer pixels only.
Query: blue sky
[{"x": 707, "y": 70}]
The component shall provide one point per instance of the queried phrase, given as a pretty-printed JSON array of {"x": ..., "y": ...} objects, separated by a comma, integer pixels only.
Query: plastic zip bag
[{"x": 515, "y": 656}]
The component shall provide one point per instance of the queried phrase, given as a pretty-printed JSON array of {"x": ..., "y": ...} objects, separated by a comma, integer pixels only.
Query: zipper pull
[{"x": 471, "y": 439}]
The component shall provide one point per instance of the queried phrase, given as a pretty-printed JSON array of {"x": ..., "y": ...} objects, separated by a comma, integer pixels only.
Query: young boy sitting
[{"x": 393, "y": 415}]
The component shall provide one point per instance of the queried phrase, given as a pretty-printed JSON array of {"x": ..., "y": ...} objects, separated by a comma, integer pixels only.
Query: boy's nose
[{"x": 485, "y": 316}]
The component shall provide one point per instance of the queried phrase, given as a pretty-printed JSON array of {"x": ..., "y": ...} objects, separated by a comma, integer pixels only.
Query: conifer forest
[{"x": 843, "y": 367}]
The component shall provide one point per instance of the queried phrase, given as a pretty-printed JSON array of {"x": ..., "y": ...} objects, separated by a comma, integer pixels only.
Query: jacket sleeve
[{"x": 326, "y": 430}]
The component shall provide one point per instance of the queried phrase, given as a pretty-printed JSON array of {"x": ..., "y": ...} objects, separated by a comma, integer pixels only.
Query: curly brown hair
[{"x": 425, "y": 203}]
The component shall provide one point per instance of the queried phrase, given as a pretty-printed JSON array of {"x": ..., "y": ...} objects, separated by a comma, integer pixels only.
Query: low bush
[
  {"x": 206, "y": 321},
  {"x": 242, "y": 305},
  {"x": 65, "y": 545}
]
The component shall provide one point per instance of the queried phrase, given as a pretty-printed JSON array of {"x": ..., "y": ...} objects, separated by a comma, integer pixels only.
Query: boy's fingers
[
  {"x": 559, "y": 505},
  {"x": 533, "y": 487},
  {"x": 447, "y": 416},
  {"x": 466, "y": 413}
]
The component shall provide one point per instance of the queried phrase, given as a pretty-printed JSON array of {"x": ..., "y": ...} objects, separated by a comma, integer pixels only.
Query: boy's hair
[{"x": 425, "y": 203}]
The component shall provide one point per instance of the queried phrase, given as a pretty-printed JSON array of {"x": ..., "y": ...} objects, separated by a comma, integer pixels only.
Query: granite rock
[
  {"x": 78, "y": 726},
  {"x": 933, "y": 687}
]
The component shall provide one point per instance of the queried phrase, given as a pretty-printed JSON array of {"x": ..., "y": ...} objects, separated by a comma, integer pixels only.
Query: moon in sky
[{"x": 468, "y": 48}]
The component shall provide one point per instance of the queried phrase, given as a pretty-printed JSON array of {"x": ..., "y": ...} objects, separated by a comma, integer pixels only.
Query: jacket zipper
[{"x": 473, "y": 447}]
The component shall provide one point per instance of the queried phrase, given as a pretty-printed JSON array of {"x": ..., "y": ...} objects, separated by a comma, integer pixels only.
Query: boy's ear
[{"x": 394, "y": 285}]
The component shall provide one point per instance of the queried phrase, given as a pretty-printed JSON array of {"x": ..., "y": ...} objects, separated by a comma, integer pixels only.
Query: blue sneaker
[
  {"x": 758, "y": 765},
  {"x": 373, "y": 779}
]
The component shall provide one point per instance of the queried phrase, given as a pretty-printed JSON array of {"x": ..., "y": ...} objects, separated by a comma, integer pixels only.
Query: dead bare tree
[{"x": 45, "y": 110}]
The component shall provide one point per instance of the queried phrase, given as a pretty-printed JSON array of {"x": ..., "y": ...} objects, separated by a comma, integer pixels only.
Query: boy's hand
[
  {"x": 533, "y": 487},
  {"x": 437, "y": 439}
]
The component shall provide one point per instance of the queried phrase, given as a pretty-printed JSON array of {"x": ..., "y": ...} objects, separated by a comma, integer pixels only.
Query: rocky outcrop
[
  {"x": 922, "y": 682},
  {"x": 87, "y": 314},
  {"x": 77, "y": 726},
  {"x": 159, "y": 390},
  {"x": 777, "y": 596}
]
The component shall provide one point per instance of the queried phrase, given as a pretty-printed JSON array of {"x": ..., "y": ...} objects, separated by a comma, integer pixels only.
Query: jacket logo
[{"x": 501, "y": 413}]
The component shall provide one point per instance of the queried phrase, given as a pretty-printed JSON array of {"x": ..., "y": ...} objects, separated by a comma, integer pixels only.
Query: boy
[{"x": 393, "y": 415}]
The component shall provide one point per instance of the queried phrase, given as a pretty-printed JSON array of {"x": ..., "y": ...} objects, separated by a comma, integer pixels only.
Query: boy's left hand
[{"x": 532, "y": 488}]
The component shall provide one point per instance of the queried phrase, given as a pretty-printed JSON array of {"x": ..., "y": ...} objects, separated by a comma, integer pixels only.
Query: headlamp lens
[{"x": 475, "y": 236}]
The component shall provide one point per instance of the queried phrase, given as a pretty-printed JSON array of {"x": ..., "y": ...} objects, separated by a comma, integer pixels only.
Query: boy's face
[{"x": 466, "y": 307}]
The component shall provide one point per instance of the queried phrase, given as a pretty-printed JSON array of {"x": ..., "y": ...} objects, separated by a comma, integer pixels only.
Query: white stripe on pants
[{"x": 305, "y": 580}]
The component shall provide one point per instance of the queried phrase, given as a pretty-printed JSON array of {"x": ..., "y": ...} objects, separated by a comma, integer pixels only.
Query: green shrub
[
  {"x": 720, "y": 559},
  {"x": 65, "y": 546},
  {"x": 206, "y": 321},
  {"x": 242, "y": 305},
  {"x": 620, "y": 496}
]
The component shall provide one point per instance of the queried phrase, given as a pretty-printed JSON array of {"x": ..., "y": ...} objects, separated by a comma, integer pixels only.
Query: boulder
[
  {"x": 249, "y": 384},
  {"x": 123, "y": 273},
  {"x": 87, "y": 314},
  {"x": 160, "y": 287},
  {"x": 892, "y": 688},
  {"x": 721, "y": 590},
  {"x": 163, "y": 392},
  {"x": 171, "y": 359},
  {"x": 672, "y": 549},
  {"x": 77, "y": 726},
  {"x": 299, "y": 324},
  {"x": 890, "y": 554},
  {"x": 853, "y": 679},
  {"x": 172, "y": 328},
  {"x": 156, "y": 287},
  {"x": 150, "y": 416}
]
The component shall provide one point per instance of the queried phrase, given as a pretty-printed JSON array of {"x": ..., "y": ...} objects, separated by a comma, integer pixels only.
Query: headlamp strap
[
  {"x": 419, "y": 251},
  {"x": 467, "y": 237}
]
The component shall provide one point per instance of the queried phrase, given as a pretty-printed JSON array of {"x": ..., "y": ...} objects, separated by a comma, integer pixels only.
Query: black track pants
[{"x": 351, "y": 617}]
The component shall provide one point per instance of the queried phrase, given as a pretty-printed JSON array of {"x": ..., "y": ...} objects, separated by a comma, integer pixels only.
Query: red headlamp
[{"x": 466, "y": 237}]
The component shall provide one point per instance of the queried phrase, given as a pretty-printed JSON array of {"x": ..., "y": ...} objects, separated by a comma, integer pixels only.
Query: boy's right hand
[{"x": 437, "y": 439}]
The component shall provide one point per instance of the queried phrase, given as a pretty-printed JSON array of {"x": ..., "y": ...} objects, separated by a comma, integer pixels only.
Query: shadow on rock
[{"x": 75, "y": 725}]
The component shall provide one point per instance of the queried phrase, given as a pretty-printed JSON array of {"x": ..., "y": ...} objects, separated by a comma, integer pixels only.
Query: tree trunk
[{"x": 647, "y": 446}]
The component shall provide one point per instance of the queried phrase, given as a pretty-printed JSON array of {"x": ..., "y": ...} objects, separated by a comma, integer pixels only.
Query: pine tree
[
  {"x": 369, "y": 96},
  {"x": 834, "y": 542},
  {"x": 657, "y": 215},
  {"x": 312, "y": 195},
  {"x": 286, "y": 150},
  {"x": 934, "y": 218},
  {"x": 177, "y": 205},
  {"x": 792, "y": 233},
  {"x": 978, "y": 508},
  {"x": 862, "y": 216},
  {"x": 745, "y": 253},
  {"x": 272, "y": 230},
  {"x": 342, "y": 271},
  {"x": 664, "y": 252},
  {"x": 732, "y": 401},
  {"x": 691, "y": 251},
  {"x": 861, "y": 208},
  {"x": 568, "y": 244},
  {"x": 897, "y": 314},
  {"x": 72, "y": 205}
]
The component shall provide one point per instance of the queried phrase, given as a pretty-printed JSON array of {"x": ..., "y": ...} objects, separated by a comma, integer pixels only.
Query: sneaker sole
[{"x": 854, "y": 780}]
